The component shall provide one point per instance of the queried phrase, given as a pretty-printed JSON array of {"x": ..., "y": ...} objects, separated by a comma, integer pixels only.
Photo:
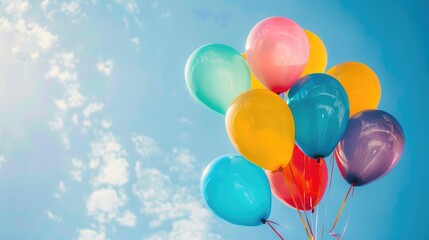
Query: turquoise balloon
[
  {"x": 320, "y": 108},
  {"x": 237, "y": 190},
  {"x": 215, "y": 74}
]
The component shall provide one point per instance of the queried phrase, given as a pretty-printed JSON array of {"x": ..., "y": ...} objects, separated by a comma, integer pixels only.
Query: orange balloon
[
  {"x": 318, "y": 55},
  {"x": 260, "y": 126},
  {"x": 254, "y": 83},
  {"x": 361, "y": 84}
]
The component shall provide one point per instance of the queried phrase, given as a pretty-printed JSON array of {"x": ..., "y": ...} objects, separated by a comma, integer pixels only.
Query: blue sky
[{"x": 99, "y": 138}]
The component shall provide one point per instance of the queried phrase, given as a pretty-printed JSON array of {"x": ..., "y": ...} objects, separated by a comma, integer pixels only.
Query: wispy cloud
[
  {"x": 104, "y": 204},
  {"x": 168, "y": 201},
  {"x": 17, "y": 7},
  {"x": 182, "y": 161},
  {"x": 105, "y": 67},
  {"x": 62, "y": 68},
  {"x": 92, "y": 108},
  {"x": 108, "y": 157},
  {"x": 146, "y": 146},
  {"x": 185, "y": 120},
  {"x": 29, "y": 39},
  {"x": 89, "y": 234},
  {"x": 130, "y": 5},
  {"x": 52, "y": 216},
  {"x": 2, "y": 160},
  {"x": 78, "y": 168},
  {"x": 136, "y": 42},
  {"x": 128, "y": 219}
]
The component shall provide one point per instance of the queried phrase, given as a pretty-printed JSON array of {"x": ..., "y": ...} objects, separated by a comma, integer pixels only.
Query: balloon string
[
  {"x": 307, "y": 226},
  {"x": 301, "y": 200},
  {"x": 317, "y": 207},
  {"x": 299, "y": 213},
  {"x": 351, "y": 189},
  {"x": 328, "y": 197},
  {"x": 347, "y": 222},
  {"x": 271, "y": 226}
]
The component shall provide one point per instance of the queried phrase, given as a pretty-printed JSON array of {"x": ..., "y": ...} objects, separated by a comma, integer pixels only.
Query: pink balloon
[{"x": 277, "y": 51}]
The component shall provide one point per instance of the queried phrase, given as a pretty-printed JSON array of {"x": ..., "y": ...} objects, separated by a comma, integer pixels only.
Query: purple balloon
[{"x": 371, "y": 146}]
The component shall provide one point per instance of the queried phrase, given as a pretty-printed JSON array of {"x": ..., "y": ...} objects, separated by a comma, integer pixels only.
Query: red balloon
[{"x": 302, "y": 183}]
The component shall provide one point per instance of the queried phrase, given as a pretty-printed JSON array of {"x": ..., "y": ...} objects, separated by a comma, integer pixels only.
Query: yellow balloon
[
  {"x": 260, "y": 125},
  {"x": 361, "y": 84},
  {"x": 318, "y": 55},
  {"x": 254, "y": 83}
]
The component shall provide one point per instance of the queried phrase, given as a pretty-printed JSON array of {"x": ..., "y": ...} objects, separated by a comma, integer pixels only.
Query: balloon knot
[{"x": 264, "y": 221}]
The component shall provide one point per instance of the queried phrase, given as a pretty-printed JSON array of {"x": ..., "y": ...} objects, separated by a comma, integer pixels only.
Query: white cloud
[
  {"x": 49, "y": 14},
  {"x": 129, "y": 219},
  {"x": 73, "y": 96},
  {"x": 78, "y": 168},
  {"x": 105, "y": 67},
  {"x": 52, "y": 216},
  {"x": 2, "y": 160},
  {"x": 71, "y": 8},
  {"x": 75, "y": 119},
  {"x": 185, "y": 120},
  {"x": 28, "y": 40},
  {"x": 57, "y": 123},
  {"x": 62, "y": 187},
  {"x": 130, "y": 5},
  {"x": 146, "y": 146},
  {"x": 89, "y": 234},
  {"x": 92, "y": 108},
  {"x": 104, "y": 204},
  {"x": 62, "y": 67},
  {"x": 168, "y": 201},
  {"x": 136, "y": 42},
  {"x": 108, "y": 156},
  {"x": 113, "y": 173},
  {"x": 17, "y": 7},
  {"x": 74, "y": 10},
  {"x": 183, "y": 162},
  {"x": 106, "y": 123},
  {"x": 44, "y": 5}
]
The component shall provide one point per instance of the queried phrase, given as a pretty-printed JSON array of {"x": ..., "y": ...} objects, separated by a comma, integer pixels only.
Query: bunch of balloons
[{"x": 284, "y": 113}]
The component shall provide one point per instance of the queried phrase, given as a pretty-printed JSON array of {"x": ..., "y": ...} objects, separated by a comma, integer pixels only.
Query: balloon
[
  {"x": 318, "y": 56},
  {"x": 236, "y": 190},
  {"x": 321, "y": 111},
  {"x": 300, "y": 185},
  {"x": 371, "y": 146},
  {"x": 361, "y": 84},
  {"x": 215, "y": 74},
  {"x": 277, "y": 51},
  {"x": 260, "y": 126},
  {"x": 254, "y": 83}
]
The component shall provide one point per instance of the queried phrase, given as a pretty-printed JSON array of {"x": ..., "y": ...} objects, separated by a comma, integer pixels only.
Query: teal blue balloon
[
  {"x": 236, "y": 190},
  {"x": 215, "y": 74},
  {"x": 320, "y": 108}
]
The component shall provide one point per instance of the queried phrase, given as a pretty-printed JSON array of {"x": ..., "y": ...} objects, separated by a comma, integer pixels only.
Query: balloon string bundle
[
  {"x": 331, "y": 231},
  {"x": 328, "y": 197},
  {"x": 270, "y": 223},
  {"x": 306, "y": 223}
]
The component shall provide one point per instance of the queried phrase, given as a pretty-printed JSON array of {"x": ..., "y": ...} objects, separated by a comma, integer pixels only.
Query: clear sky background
[{"x": 99, "y": 138}]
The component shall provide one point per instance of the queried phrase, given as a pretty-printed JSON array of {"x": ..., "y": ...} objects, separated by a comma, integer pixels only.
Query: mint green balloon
[{"x": 215, "y": 74}]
